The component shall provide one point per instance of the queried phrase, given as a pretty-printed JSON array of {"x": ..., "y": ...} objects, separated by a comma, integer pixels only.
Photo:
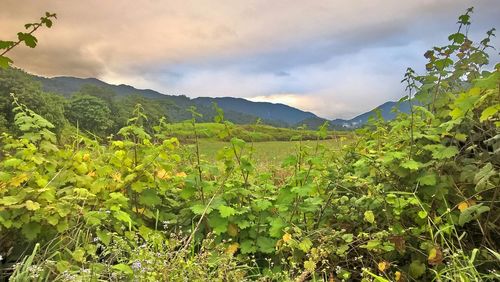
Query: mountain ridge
[{"x": 272, "y": 113}]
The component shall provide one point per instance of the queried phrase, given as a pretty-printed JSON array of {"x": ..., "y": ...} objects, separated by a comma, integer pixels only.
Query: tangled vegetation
[{"x": 415, "y": 198}]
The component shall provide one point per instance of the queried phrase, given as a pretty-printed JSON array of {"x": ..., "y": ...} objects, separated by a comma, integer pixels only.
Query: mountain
[
  {"x": 263, "y": 110},
  {"x": 241, "y": 110},
  {"x": 237, "y": 110},
  {"x": 386, "y": 111}
]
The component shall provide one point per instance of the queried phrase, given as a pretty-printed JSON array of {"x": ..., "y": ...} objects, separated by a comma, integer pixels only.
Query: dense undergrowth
[{"x": 415, "y": 198}]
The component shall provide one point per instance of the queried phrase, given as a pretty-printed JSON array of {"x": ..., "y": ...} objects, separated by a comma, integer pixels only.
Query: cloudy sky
[{"x": 334, "y": 58}]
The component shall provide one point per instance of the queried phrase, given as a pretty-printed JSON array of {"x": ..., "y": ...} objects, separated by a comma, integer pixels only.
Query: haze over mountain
[{"x": 239, "y": 109}]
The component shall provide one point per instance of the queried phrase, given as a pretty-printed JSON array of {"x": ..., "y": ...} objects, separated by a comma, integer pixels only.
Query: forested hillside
[
  {"x": 237, "y": 110},
  {"x": 411, "y": 199}
]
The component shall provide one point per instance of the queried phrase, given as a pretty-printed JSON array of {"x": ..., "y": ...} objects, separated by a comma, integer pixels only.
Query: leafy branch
[{"x": 27, "y": 37}]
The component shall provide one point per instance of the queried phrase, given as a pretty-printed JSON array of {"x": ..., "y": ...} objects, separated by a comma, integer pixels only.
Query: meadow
[{"x": 266, "y": 152}]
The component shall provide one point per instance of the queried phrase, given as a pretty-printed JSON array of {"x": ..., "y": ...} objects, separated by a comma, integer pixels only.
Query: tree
[
  {"x": 29, "y": 93},
  {"x": 89, "y": 113}
]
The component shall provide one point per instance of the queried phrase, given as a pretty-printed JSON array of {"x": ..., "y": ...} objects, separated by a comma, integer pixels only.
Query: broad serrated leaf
[
  {"x": 411, "y": 165},
  {"x": 226, "y": 211},
  {"x": 122, "y": 216},
  {"x": 266, "y": 244},
  {"x": 248, "y": 247},
  {"x": 198, "y": 209},
  {"x": 218, "y": 223},
  {"x": 261, "y": 204},
  {"x": 104, "y": 236},
  {"x": 149, "y": 198},
  {"x": 28, "y": 39},
  {"x": 428, "y": 179},
  {"x": 305, "y": 245},
  {"x": 489, "y": 112},
  {"x": 445, "y": 153},
  {"x": 276, "y": 229}
]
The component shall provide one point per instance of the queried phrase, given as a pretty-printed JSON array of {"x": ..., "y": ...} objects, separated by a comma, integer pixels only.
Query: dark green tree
[
  {"x": 89, "y": 113},
  {"x": 29, "y": 93}
]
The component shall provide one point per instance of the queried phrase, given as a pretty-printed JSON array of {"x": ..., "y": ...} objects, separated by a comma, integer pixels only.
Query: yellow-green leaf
[
  {"x": 369, "y": 216},
  {"x": 32, "y": 206}
]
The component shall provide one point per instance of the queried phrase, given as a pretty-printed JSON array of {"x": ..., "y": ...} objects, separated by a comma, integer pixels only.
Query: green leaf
[
  {"x": 445, "y": 153},
  {"x": 62, "y": 265},
  {"x": 4, "y": 62},
  {"x": 12, "y": 162},
  {"x": 104, "y": 236},
  {"x": 289, "y": 161},
  {"x": 417, "y": 269},
  {"x": 372, "y": 244},
  {"x": 123, "y": 268},
  {"x": 348, "y": 238},
  {"x": 489, "y": 82},
  {"x": 422, "y": 214},
  {"x": 471, "y": 213},
  {"x": 310, "y": 265},
  {"x": 375, "y": 276},
  {"x": 198, "y": 209},
  {"x": 53, "y": 219},
  {"x": 79, "y": 255},
  {"x": 122, "y": 216},
  {"x": 218, "y": 223},
  {"x": 305, "y": 245},
  {"x": 31, "y": 229},
  {"x": 277, "y": 225},
  {"x": 149, "y": 198},
  {"x": 226, "y": 211},
  {"x": 6, "y": 44},
  {"x": 47, "y": 22},
  {"x": 248, "y": 247},
  {"x": 242, "y": 224},
  {"x": 428, "y": 179},
  {"x": 489, "y": 112},
  {"x": 303, "y": 190},
  {"x": 11, "y": 200},
  {"x": 32, "y": 206},
  {"x": 28, "y": 39},
  {"x": 266, "y": 244},
  {"x": 369, "y": 216},
  {"x": 457, "y": 38},
  {"x": 261, "y": 204},
  {"x": 412, "y": 165},
  {"x": 238, "y": 143},
  {"x": 94, "y": 218},
  {"x": 482, "y": 177}
]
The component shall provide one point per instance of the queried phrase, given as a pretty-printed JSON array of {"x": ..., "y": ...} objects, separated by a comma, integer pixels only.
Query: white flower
[{"x": 1, "y": 258}]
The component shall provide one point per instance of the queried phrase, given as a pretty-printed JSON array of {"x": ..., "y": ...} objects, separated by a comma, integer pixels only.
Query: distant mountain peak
[{"x": 238, "y": 108}]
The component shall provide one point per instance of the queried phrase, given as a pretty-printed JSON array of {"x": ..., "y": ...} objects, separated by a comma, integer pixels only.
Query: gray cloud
[{"x": 334, "y": 58}]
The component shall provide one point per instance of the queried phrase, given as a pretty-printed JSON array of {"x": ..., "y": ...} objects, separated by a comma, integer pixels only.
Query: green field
[{"x": 265, "y": 153}]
